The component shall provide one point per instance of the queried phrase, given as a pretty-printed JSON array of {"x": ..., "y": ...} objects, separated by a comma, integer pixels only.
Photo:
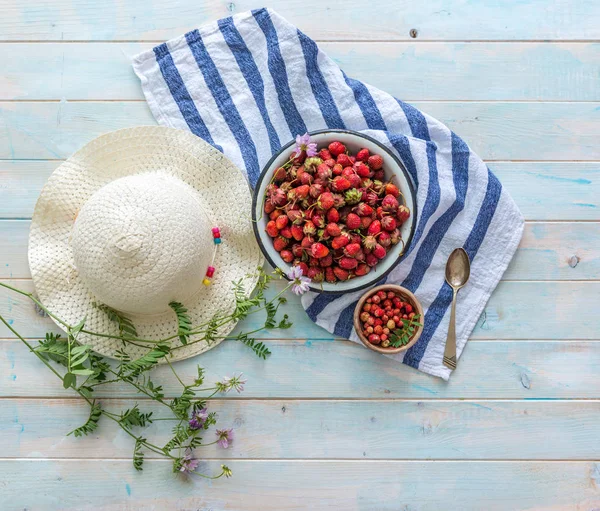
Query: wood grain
[
  {"x": 295, "y": 485},
  {"x": 311, "y": 369},
  {"x": 437, "y": 70},
  {"x": 357, "y": 20}
]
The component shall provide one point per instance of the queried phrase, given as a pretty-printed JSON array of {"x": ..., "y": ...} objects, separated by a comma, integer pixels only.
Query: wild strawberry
[
  {"x": 280, "y": 174},
  {"x": 395, "y": 237},
  {"x": 385, "y": 239},
  {"x": 362, "y": 170},
  {"x": 340, "y": 273},
  {"x": 340, "y": 241},
  {"x": 330, "y": 275},
  {"x": 355, "y": 182},
  {"x": 389, "y": 203},
  {"x": 298, "y": 159},
  {"x": 379, "y": 212},
  {"x": 379, "y": 175},
  {"x": 297, "y": 232},
  {"x": 365, "y": 221},
  {"x": 363, "y": 155},
  {"x": 287, "y": 256},
  {"x": 303, "y": 267},
  {"x": 286, "y": 232},
  {"x": 375, "y": 227},
  {"x": 348, "y": 263},
  {"x": 369, "y": 242},
  {"x": 275, "y": 214},
  {"x": 295, "y": 216},
  {"x": 307, "y": 242},
  {"x": 352, "y": 159},
  {"x": 372, "y": 198},
  {"x": 338, "y": 200},
  {"x": 337, "y": 170},
  {"x": 362, "y": 269},
  {"x": 315, "y": 274},
  {"x": 323, "y": 171},
  {"x": 379, "y": 252},
  {"x": 326, "y": 201},
  {"x": 352, "y": 196},
  {"x": 269, "y": 207},
  {"x": 319, "y": 250},
  {"x": 392, "y": 189},
  {"x": 363, "y": 209},
  {"x": 371, "y": 260},
  {"x": 388, "y": 223},
  {"x": 330, "y": 162},
  {"x": 280, "y": 243},
  {"x": 326, "y": 261},
  {"x": 297, "y": 250},
  {"x": 353, "y": 221},
  {"x": 309, "y": 227},
  {"x": 324, "y": 154},
  {"x": 340, "y": 184},
  {"x": 316, "y": 189},
  {"x": 378, "y": 186},
  {"x": 366, "y": 183},
  {"x": 319, "y": 220},
  {"x": 348, "y": 171},
  {"x": 313, "y": 261},
  {"x": 302, "y": 191},
  {"x": 310, "y": 164},
  {"x": 333, "y": 229},
  {"x": 355, "y": 238},
  {"x": 336, "y": 148},
  {"x": 272, "y": 229},
  {"x": 276, "y": 195},
  {"x": 375, "y": 161},
  {"x": 304, "y": 177},
  {"x": 344, "y": 160},
  {"x": 403, "y": 213},
  {"x": 282, "y": 221},
  {"x": 333, "y": 216},
  {"x": 351, "y": 249}
]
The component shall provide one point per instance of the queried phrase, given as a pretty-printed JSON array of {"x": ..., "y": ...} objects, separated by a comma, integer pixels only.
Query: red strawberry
[
  {"x": 297, "y": 232},
  {"x": 286, "y": 232},
  {"x": 379, "y": 252},
  {"x": 389, "y": 203},
  {"x": 319, "y": 250},
  {"x": 365, "y": 221},
  {"x": 392, "y": 189},
  {"x": 337, "y": 170},
  {"x": 336, "y": 148},
  {"x": 276, "y": 195},
  {"x": 352, "y": 159},
  {"x": 369, "y": 242},
  {"x": 338, "y": 201},
  {"x": 333, "y": 216},
  {"x": 355, "y": 181},
  {"x": 367, "y": 183},
  {"x": 313, "y": 261},
  {"x": 307, "y": 242},
  {"x": 296, "y": 216},
  {"x": 348, "y": 263},
  {"x": 302, "y": 191},
  {"x": 330, "y": 162},
  {"x": 371, "y": 260},
  {"x": 375, "y": 227},
  {"x": 297, "y": 250},
  {"x": 324, "y": 154},
  {"x": 315, "y": 274},
  {"x": 362, "y": 170},
  {"x": 281, "y": 221},
  {"x": 309, "y": 227},
  {"x": 379, "y": 174},
  {"x": 348, "y": 171},
  {"x": 372, "y": 198},
  {"x": 326, "y": 201},
  {"x": 287, "y": 256},
  {"x": 323, "y": 171},
  {"x": 275, "y": 214},
  {"x": 344, "y": 160},
  {"x": 340, "y": 241},
  {"x": 305, "y": 178},
  {"x": 362, "y": 269},
  {"x": 379, "y": 212},
  {"x": 355, "y": 238},
  {"x": 316, "y": 189},
  {"x": 279, "y": 174},
  {"x": 298, "y": 159},
  {"x": 269, "y": 207},
  {"x": 333, "y": 229},
  {"x": 319, "y": 220},
  {"x": 330, "y": 275},
  {"x": 403, "y": 214},
  {"x": 272, "y": 229},
  {"x": 375, "y": 161},
  {"x": 340, "y": 273},
  {"x": 352, "y": 249},
  {"x": 353, "y": 221},
  {"x": 326, "y": 261},
  {"x": 385, "y": 239},
  {"x": 395, "y": 237},
  {"x": 363, "y": 155},
  {"x": 340, "y": 184},
  {"x": 303, "y": 267},
  {"x": 363, "y": 209},
  {"x": 388, "y": 223},
  {"x": 280, "y": 243}
]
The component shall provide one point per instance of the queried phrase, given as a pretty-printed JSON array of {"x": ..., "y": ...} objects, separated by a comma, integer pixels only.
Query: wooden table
[{"x": 322, "y": 424}]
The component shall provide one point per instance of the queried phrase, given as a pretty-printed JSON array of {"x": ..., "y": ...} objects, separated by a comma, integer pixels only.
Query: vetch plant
[{"x": 84, "y": 371}]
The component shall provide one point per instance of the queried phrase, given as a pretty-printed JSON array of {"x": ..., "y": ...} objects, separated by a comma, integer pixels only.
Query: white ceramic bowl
[{"x": 354, "y": 141}]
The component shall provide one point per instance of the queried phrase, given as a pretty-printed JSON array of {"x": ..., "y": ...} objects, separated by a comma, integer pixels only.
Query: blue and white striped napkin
[{"x": 250, "y": 83}]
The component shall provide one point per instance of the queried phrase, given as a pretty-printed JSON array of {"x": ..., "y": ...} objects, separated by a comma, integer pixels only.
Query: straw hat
[{"x": 127, "y": 222}]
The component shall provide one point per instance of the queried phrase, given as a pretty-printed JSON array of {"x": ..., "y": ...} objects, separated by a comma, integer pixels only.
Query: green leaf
[
  {"x": 147, "y": 361},
  {"x": 258, "y": 347},
  {"x": 69, "y": 380},
  {"x": 183, "y": 320},
  {"x": 82, "y": 372},
  {"x": 126, "y": 327},
  {"x": 133, "y": 417},
  {"x": 92, "y": 422},
  {"x": 77, "y": 328},
  {"x": 138, "y": 455}
]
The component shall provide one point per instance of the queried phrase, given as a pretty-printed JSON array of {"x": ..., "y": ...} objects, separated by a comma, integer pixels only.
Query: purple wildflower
[
  {"x": 187, "y": 464},
  {"x": 225, "y": 437},
  {"x": 303, "y": 143},
  {"x": 198, "y": 418},
  {"x": 233, "y": 382},
  {"x": 299, "y": 281}
]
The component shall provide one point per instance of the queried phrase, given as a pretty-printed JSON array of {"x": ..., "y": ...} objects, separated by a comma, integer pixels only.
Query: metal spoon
[{"x": 458, "y": 269}]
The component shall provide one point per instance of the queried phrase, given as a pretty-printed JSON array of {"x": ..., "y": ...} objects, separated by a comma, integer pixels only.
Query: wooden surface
[{"x": 324, "y": 423}]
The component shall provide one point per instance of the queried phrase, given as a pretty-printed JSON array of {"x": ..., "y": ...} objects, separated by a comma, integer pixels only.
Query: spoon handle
[{"x": 450, "y": 351}]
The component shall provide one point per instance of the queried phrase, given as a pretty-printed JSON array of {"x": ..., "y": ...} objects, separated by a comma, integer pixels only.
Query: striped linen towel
[{"x": 248, "y": 84}]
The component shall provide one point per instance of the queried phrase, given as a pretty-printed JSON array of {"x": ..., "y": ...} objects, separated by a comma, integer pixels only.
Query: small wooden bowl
[{"x": 406, "y": 296}]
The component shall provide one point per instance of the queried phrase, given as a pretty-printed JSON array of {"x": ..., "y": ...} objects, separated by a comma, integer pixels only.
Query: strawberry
[
  {"x": 319, "y": 250},
  {"x": 280, "y": 243},
  {"x": 366, "y": 183},
  {"x": 395, "y": 237},
  {"x": 287, "y": 256},
  {"x": 333, "y": 215},
  {"x": 340, "y": 273},
  {"x": 375, "y": 161},
  {"x": 330, "y": 162},
  {"x": 337, "y": 170},
  {"x": 385, "y": 239},
  {"x": 326, "y": 261},
  {"x": 307, "y": 242},
  {"x": 315, "y": 274},
  {"x": 363, "y": 155},
  {"x": 365, "y": 221},
  {"x": 348, "y": 263},
  {"x": 340, "y": 184},
  {"x": 296, "y": 216},
  {"x": 297, "y": 232},
  {"x": 303, "y": 266},
  {"x": 297, "y": 250},
  {"x": 281, "y": 221},
  {"x": 378, "y": 186},
  {"x": 323, "y": 171},
  {"x": 375, "y": 227},
  {"x": 379, "y": 174},
  {"x": 280, "y": 174},
  {"x": 272, "y": 229},
  {"x": 336, "y": 148},
  {"x": 371, "y": 260},
  {"x": 392, "y": 189},
  {"x": 316, "y": 189},
  {"x": 310, "y": 164},
  {"x": 330, "y": 275},
  {"x": 352, "y": 196},
  {"x": 343, "y": 160},
  {"x": 379, "y": 252},
  {"x": 319, "y": 220},
  {"x": 355, "y": 181},
  {"x": 338, "y": 200},
  {"x": 369, "y": 242},
  {"x": 355, "y": 238},
  {"x": 379, "y": 213},
  {"x": 313, "y": 261},
  {"x": 305, "y": 178},
  {"x": 298, "y": 159},
  {"x": 363, "y": 209},
  {"x": 326, "y": 201},
  {"x": 309, "y": 227},
  {"x": 362, "y": 170},
  {"x": 351, "y": 249},
  {"x": 348, "y": 171},
  {"x": 388, "y": 223},
  {"x": 333, "y": 229},
  {"x": 372, "y": 198},
  {"x": 286, "y": 232},
  {"x": 353, "y": 221},
  {"x": 324, "y": 154},
  {"x": 302, "y": 191},
  {"x": 269, "y": 207},
  {"x": 362, "y": 269},
  {"x": 403, "y": 213},
  {"x": 275, "y": 214},
  {"x": 340, "y": 241},
  {"x": 276, "y": 195},
  {"x": 389, "y": 203}
]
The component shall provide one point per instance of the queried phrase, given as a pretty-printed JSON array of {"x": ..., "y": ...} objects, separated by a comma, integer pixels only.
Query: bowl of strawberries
[{"x": 338, "y": 205}]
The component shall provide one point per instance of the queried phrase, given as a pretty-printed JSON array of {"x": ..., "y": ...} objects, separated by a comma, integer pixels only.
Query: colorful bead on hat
[{"x": 210, "y": 271}]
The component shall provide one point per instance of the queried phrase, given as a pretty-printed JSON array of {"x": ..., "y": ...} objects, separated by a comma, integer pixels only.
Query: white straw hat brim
[{"x": 221, "y": 187}]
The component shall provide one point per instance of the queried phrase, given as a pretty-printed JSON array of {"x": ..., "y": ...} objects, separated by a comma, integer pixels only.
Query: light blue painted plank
[
  {"x": 331, "y": 485},
  {"x": 357, "y": 20}
]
